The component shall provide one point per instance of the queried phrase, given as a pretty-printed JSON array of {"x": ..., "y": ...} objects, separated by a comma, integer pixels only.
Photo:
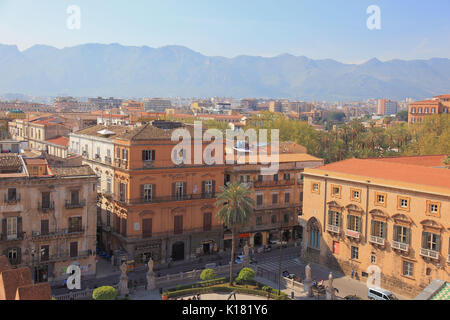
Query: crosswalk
[{"x": 273, "y": 265}]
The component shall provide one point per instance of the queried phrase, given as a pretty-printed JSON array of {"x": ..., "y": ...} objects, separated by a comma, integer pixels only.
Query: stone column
[
  {"x": 308, "y": 281},
  {"x": 123, "y": 285},
  {"x": 151, "y": 285},
  {"x": 330, "y": 288}
]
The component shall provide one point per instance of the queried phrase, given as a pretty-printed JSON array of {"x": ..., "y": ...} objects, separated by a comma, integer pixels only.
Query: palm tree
[{"x": 235, "y": 210}]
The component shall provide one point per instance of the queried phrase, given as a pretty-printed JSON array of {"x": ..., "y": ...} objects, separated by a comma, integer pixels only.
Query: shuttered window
[
  {"x": 178, "y": 224},
  {"x": 147, "y": 228},
  {"x": 207, "y": 221}
]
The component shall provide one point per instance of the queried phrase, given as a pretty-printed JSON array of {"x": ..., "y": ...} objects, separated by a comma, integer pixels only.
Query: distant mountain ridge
[{"x": 126, "y": 71}]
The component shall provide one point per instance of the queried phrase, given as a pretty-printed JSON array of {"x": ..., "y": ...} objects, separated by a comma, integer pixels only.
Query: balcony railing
[
  {"x": 46, "y": 207},
  {"x": 185, "y": 197},
  {"x": 11, "y": 200},
  {"x": 159, "y": 235},
  {"x": 333, "y": 229},
  {"x": 60, "y": 257},
  {"x": 276, "y": 206},
  {"x": 400, "y": 246},
  {"x": 38, "y": 235},
  {"x": 377, "y": 240},
  {"x": 108, "y": 160},
  {"x": 262, "y": 184},
  {"x": 427, "y": 253},
  {"x": 16, "y": 237},
  {"x": 352, "y": 233},
  {"x": 80, "y": 204}
]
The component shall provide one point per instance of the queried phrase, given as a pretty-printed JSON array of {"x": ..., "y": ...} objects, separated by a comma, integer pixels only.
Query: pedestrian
[
  {"x": 198, "y": 296},
  {"x": 353, "y": 273}
]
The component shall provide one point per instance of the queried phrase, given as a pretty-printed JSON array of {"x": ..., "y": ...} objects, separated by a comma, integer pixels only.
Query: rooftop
[
  {"x": 62, "y": 141},
  {"x": 94, "y": 131},
  {"x": 10, "y": 162},
  {"x": 73, "y": 171},
  {"x": 386, "y": 172},
  {"x": 433, "y": 161}
]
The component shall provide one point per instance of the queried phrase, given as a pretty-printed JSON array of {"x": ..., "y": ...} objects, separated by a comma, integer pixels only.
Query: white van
[{"x": 380, "y": 294}]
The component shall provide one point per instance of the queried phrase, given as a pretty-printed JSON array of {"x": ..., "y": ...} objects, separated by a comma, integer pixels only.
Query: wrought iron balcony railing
[
  {"x": 80, "y": 204},
  {"x": 185, "y": 197},
  {"x": 46, "y": 207},
  {"x": 11, "y": 200}
]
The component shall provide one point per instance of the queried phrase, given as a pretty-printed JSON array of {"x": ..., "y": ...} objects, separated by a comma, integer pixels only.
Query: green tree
[
  {"x": 104, "y": 293},
  {"x": 245, "y": 275},
  {"x": 208, "y": 274},
  {"x": 402, "y": 116},
  {"x": 235, "y": 210}
]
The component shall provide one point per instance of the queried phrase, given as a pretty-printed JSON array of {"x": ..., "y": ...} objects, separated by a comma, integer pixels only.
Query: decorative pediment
[
  {"x": 335, "y": 205},
  {"x": 402, "y": 218},
  {"x": 178, "y": 210},
  {"x": 431, "y": 224},
  {"x": 147, "y": 178},
  {"x": 354, "y": 208},
  {"x": 379, "y": 213},
  {"x": 207, "y": 207},
  {"x": 146, "y": 212}
]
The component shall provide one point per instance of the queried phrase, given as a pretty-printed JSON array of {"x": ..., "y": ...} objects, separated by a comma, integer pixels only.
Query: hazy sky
[{"x": 336, "y": 29}]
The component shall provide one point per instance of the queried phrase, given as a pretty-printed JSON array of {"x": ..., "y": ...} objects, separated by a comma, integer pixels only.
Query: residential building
[
  {"x": 420, "y": 109},
  {"x": 380, "y": 214},
  {"x": 278, "y": 198},
  {"x": 386, "y": 107},
  {"x": 48, "y": 216}
]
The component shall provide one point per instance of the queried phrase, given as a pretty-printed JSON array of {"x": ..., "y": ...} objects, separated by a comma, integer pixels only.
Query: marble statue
[
  {"x": 151, "y": 285},
  {"x": 308, "y": 281},
  {"x": 123, "y": 285},
  {"x": 330, "y": 288}
]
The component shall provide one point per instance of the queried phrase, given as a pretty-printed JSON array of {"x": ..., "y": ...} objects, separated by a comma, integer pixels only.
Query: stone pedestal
[
  {"x": 123, "y": 284},
  {"x": 151, "y": 284},
  {"x": 307, "y": 285}
]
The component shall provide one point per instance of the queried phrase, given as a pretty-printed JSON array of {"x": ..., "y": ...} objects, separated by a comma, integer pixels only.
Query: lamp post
[{"x": 281, "y": 255}]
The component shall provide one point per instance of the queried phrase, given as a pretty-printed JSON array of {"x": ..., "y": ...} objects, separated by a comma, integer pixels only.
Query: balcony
[
  {"x": 108, "y": 160},
  {"x": 333, "y": 229},
  {"x": 61, "y": 233},
  {"x": 47, "y": 207},
  {"x": 185, "y": 197},
  {"x": 352, "y": 234},
  {"x": 64, "y": 256},
  {"x": 276, "y": 206},
  {"x": 80, "y": 204},
  {"x": 10, "y": 238},
  {"x": 279, "y": 183},
  {"x": 427, "y": 253},
  {"x": 11, "y": 200},
  {"x": 148, "y": 164},
  {"x": 377, "y": 240},
  {"x": 400, "y": 246},
  {"x": 166, "y": 234}
]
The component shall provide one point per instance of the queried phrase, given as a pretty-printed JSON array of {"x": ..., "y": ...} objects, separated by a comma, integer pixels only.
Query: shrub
[
  {"x": 208, "y": 274},
  {"x": 104, "y": 293},
  {"x": 246, "y": 275}
]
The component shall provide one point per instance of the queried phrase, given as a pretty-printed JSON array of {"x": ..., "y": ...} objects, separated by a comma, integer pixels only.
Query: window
[
  {"x": 125, "y": 154},
  {"x": 12, "y": 194},
  {"x": 413, "y": 110},
  {"x": 433, "y": 110},
  {"x": 275, "y": 177},
  {"x": 259, "y": 200},
  {"x": 44, "y": 227},
  {"x": 355, "y": 195},
  {"x": 260, "y": 178},
  {"x": 287, "y": 197},
  {"x": 287, "y": 176},
  {"x": 148, "y": 194},
  {"x": 75, "y": 224},
  {"x": 431, "y": 241},
  {"x": 354, "y": 223},
  {"x": 336, "y": 191},
  {"x": 148, "y": 155},
  {"x": 46, "y": 200},
  {"x": 118, "y": 153},
  {"x": 274, "y": 219},
  {"x": 286, "y": 218},
  {"x": 420, "y": 110},
  {"x": 314, "y": 240},
  {"x": 11, "y": 224},
  {"x": 178, "y": 224},
  {"x": 122, "y": 191},
  {"x": 179, "y": 190},
  {"x": 433, "y": 208},
  {"x": 45, "y": 253},
  {"x": 259, "y": 221},
  {"x": 334, "y": 218},
  {"x": 274, "y": 198},
  {"x": 108, "y": 185},
  {"x": 355, "y": 253},
  {"x": 413, "y": 120},
  {"x": 315, "y": 188},
  {"x": 408, "y": 268},
  {"x": 207, "y": 221},
  {"x": 108, "y": 218},
  {"x": 403, "y": 203},
  {"x": 14, "y": 256},
  {"x": 379, "y": 229},
  {"x": 73, "y": 249},
  {"x": 208, "y": 188},
  {"x": 380, "y": 199},
  {"x": 402, "y": 234},
  {"x": 74, "y": 197},
  {"x": 373, "y": 259},
  {"x": 147, "y": 228},
  {"x": 426, "y": 110}
]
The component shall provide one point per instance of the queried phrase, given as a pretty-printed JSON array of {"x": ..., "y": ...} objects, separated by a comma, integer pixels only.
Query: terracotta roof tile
[
  {"x": 426, "y": 161},
  {"x": 12, "y": 279},
  {"x": 72, "y": 171},
  {"x": 62, "y": 141},
  {"x": 40, "y": 291}
]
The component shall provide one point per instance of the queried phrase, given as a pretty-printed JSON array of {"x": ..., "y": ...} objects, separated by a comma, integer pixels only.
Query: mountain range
[{"x": 170, "y": 71}]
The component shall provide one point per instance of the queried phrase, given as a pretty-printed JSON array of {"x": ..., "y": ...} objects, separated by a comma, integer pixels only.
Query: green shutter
[{"x": 438, "y": 242}]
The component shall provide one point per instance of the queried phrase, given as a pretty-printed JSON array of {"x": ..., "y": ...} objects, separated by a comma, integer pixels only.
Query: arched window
[{"x": 314, "y": 234}]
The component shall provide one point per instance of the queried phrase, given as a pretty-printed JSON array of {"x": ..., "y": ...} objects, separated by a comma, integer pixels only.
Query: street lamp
[{"x": 281, "y": 255}]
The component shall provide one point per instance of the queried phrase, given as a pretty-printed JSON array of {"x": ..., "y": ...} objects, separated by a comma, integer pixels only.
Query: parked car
[
  {"x": 239, "y": 259},
  {"x": 380, "y": 294}
]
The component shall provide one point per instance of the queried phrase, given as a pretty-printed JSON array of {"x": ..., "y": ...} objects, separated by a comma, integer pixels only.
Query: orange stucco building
[
  {"x": 391, "y": 213},
  {"x": 160, "y": 209}
]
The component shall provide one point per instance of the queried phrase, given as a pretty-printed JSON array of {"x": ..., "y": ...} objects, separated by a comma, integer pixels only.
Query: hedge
[
  {"x": 104, "y": 293},
  {"x": 224, "y": 289},
  {"x": 208, "y": 274},
  {"x": 200, "y": 284}
]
